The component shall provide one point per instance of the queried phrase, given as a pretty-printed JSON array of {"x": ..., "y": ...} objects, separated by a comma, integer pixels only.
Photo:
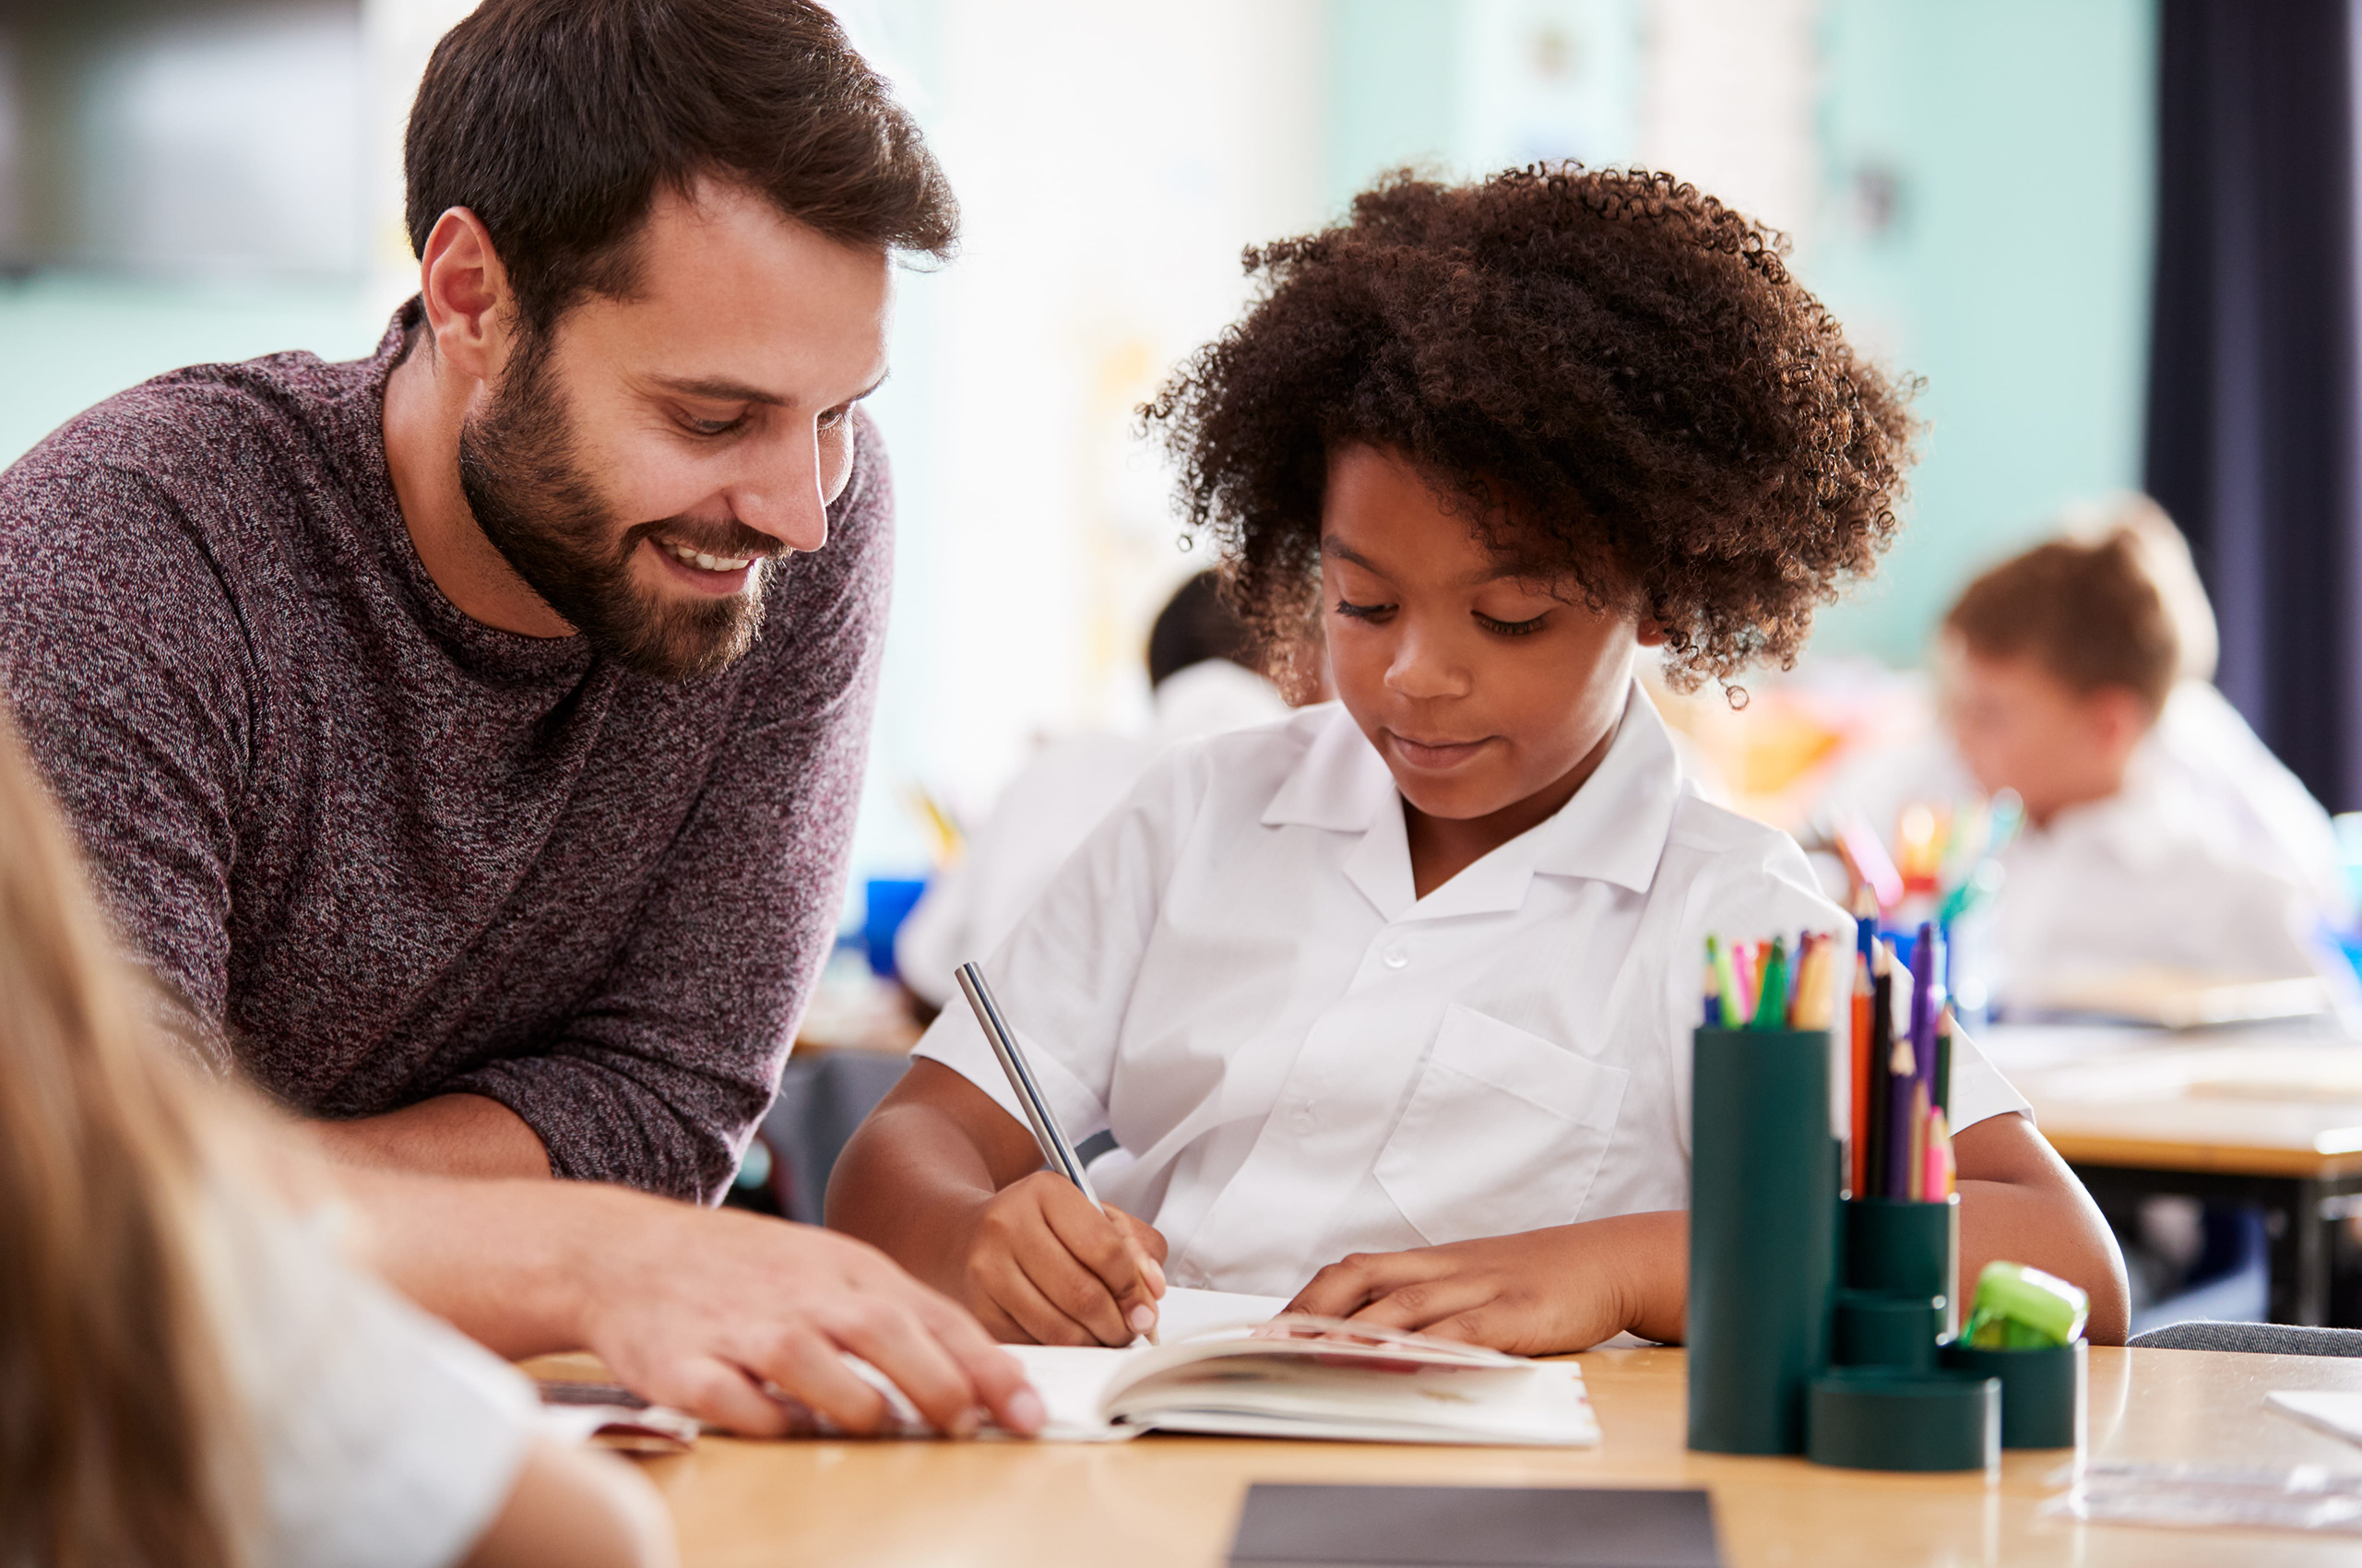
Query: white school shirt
[
  {"x": 2211, "y": 860},
  {"x": 1300, "y": 1059}
]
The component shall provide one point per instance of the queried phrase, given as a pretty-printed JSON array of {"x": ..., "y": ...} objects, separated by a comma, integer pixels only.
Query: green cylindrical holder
[
  {"x": 1871, "y": 1418},
  {"x": 2043, "y": 1395},
  {"x": 1762, "y": 1253},
  {"x": 1906, "y": 1248},
  {"x": 1886, "y": 1328}
]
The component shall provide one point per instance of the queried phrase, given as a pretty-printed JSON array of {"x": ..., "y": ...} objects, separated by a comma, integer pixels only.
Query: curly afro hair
[{"x": 1613, "y": 377}]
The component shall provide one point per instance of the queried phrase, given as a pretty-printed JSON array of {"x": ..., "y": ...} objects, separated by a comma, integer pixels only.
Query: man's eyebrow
[{"x": 721, "y": 389}]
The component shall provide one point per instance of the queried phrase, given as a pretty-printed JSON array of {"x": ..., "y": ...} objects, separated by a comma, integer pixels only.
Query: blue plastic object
[{"x": 887, "y": 902}]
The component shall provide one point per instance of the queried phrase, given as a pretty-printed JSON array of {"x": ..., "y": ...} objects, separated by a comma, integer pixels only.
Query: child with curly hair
[{"x": 1388, "y": 1006}]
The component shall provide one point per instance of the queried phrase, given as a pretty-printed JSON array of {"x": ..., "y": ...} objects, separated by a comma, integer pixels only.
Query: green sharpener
[
  {"x": 1763, "y": 1244},
  {"x": 2043, "y": 1390},
  {"x": 1874, "y": 1419}
]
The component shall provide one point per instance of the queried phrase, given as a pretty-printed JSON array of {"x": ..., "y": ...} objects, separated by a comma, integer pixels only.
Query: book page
[{"x": 1185, "y": 1312}]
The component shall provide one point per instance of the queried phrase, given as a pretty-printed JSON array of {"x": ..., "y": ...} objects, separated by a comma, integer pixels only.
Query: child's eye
[
  {"x": 1511, "y": 628},
  {"x": 1364, "y": 611}
]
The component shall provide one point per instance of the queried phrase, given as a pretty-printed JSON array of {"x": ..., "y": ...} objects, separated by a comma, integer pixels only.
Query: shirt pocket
[{"x": 1504, "y": 1133}]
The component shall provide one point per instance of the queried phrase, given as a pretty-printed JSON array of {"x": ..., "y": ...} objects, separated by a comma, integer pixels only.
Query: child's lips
[{"x": 1434, "y": 755}]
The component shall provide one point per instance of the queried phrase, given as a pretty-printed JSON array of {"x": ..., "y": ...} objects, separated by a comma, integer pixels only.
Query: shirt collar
[{"x": 1613, "y": 830}]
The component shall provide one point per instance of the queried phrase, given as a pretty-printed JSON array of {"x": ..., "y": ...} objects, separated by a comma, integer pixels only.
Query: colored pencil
[
  {"x": 1860, "y": 1000},
  {"x": 1772, "y": 1003},
  {"x": 1882, "y": 1047}
]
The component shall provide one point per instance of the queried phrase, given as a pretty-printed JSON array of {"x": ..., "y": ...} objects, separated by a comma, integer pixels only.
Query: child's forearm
[
  {"x": 911, "y": 1184},
  {"x": 2020, "y": 1203}
]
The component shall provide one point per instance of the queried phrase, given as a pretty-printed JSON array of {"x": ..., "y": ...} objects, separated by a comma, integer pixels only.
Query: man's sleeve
[
  {"x": 122, "y": 659},
  {"x": 659, "y": 1079}
]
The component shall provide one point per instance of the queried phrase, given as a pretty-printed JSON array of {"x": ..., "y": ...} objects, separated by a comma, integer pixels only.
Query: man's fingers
[
  {"x": 999, "y": 1377},
  {"x": 890, "y": 1338},
  {"x": 719, "y": 1395},
  {"x": 805, "y": 1366}
]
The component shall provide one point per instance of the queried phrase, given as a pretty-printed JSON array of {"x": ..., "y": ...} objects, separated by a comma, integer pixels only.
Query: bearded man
[{"x": 470, "y": 735}]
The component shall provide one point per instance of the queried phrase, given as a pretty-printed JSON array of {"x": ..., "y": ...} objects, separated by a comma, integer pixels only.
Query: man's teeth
[{"x": 704, "y": 562}]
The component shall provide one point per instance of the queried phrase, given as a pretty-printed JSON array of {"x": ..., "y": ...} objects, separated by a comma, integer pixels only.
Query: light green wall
[
  {"x": 2016, "y": 276},
  {"x": 68, "y": 341}
]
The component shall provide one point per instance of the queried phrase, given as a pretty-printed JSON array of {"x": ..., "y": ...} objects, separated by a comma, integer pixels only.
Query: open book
[{"x": 1303, "y": 1377}]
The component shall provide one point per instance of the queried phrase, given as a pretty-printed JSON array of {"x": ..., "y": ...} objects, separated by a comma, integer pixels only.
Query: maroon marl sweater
[{"x": 385, "y": 851}]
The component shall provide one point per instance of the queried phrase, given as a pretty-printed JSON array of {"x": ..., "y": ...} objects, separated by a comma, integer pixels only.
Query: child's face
[
  {"x": 1482, "y": 691},
  {"x": 2020, "y": 727}
]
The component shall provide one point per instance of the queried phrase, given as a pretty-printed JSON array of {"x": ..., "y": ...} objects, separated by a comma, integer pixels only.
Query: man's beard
[{"x": 519, "y": 470}]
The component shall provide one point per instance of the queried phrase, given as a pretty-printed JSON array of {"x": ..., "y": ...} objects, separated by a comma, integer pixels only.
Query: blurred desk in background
[{"x": 2269, "y": 1115}]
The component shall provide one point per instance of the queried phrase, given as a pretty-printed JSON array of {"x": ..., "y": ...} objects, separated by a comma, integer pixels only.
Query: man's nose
[{"x": 783, "y": 497}]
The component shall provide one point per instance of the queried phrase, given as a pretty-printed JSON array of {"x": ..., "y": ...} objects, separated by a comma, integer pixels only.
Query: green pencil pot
[
  {"x": 1871, "y": 1418},
  {"x": 1906, "y": 1249},
  {"x": 2043, "y": 1394},
  {"x": 1762, "y": 1251},
  {"x": 1886, "y": 1328}
]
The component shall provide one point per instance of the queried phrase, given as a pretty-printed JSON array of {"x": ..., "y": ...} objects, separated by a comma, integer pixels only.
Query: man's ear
[{"x": 464, "y": 290}]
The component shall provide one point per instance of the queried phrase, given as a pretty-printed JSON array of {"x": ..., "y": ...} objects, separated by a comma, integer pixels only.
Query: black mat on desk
[{"x": 1473, "y": 1527}]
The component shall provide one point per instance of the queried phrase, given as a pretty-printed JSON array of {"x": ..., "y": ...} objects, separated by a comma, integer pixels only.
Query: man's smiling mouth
[{"x": 703, "y": 561}]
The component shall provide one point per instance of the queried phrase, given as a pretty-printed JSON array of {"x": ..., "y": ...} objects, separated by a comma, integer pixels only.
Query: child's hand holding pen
[{"x": 1047, "y": 1264}]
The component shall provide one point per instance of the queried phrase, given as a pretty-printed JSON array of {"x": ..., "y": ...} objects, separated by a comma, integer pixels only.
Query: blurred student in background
[
  {"x": 193, "y": 1377},
  {"x": 1201, "y": 682},
  {"x": 2160, "y": 834}
]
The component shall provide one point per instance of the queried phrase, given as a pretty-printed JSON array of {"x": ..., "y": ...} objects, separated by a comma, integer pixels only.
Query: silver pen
[
  {"x": 1046, "y": 1130},
  {"x": 1055, "y": 1147}
]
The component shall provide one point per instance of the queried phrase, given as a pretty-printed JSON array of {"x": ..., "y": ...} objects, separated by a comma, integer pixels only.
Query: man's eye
[
  {"x": 836, "y": 416},
  {"x": 711, "y": 427},
  {"x": 1511, "y": 628},
  {"x": 1362, "y": 612}
]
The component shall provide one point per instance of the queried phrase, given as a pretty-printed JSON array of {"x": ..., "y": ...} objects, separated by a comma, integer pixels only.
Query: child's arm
[
  {"x": 1570, "y": 1287},
  {"x": 2019, "y": 1201},
  {"x": 952, "y": 1187}
]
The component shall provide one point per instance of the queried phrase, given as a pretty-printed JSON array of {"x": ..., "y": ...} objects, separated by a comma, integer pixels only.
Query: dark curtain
[{"x": 2253, "y": 407}]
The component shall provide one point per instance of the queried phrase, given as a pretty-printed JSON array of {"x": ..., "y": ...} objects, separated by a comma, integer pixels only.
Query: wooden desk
[
  {"x": 2270, "y": 1116},
  {"x": 1172, "y": 1501}
]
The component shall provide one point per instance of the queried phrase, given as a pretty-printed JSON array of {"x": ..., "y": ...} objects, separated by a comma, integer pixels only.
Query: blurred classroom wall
[{"x": 1969, "y": 188}]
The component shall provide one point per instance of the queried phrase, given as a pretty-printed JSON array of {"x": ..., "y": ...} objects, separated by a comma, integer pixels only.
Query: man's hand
[
  {"x": 706, "y": 1310},
  {"x": 1535, "y": 1294},
  {"x": 1046, "y": 1266},
  {"x": 701, "y": 1308}
]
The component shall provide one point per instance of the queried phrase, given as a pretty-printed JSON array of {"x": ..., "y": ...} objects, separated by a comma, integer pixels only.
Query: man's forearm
[
  {"x": 497, "y": 1259},
  {"x": 452, "y": 1135}
]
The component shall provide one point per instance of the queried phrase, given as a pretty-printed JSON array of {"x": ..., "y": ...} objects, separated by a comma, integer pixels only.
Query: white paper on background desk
[{"x": 2340, "y": 1415}]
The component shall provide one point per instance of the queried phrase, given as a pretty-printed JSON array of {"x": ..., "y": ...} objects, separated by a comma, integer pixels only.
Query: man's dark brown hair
[
  {"x": 2089, "y": 613},
  {"x": 1615, "y": 376},
  {"x": 557, "y": 122}
]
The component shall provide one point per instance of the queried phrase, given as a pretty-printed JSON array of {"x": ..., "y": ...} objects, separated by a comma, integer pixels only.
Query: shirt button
[
  {"x": 1396, "y": 958},
  {"x": 1303, "y": 1119}
]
